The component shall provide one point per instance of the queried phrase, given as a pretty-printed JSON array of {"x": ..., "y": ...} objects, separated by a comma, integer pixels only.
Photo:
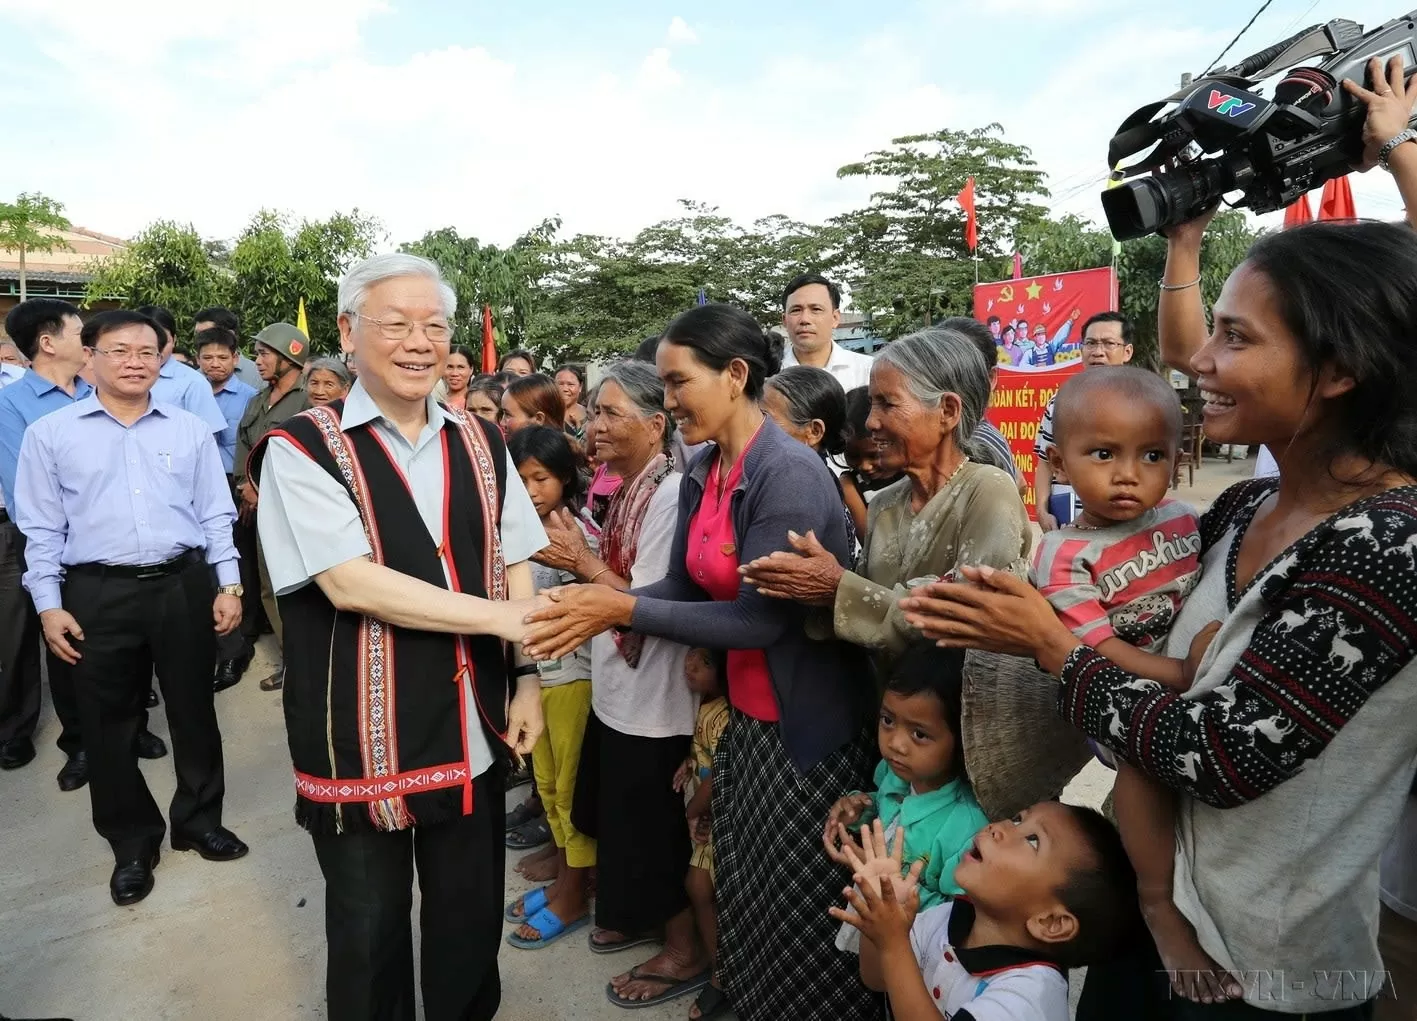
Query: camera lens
[{"x": 1136, "y": 208}]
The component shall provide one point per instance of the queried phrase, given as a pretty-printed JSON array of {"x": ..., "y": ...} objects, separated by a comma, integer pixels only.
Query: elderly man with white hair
[{"x": 398, "y": 535}]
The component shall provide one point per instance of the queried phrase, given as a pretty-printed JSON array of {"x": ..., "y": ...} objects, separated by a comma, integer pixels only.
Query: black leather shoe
[
  {"x": 75, "y": 772},
  {"x": 228, "y": 674},
  {"x": 132, "y": 880},
  {"x": 152, "y": 698},
  {"x": 16, "y": 753},
  {"x": 149, "y": 745},
  {"x": 218, "y": 845}
]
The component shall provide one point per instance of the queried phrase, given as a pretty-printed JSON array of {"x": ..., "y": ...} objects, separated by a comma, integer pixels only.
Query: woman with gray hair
[
  {"x": 642, "y": 712},
  {"x": 327, "y": 379},
  {"x": 953, "y": 508}
]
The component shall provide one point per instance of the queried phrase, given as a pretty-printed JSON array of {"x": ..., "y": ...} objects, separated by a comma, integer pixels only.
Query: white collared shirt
[{"x": 850, "y": 369}]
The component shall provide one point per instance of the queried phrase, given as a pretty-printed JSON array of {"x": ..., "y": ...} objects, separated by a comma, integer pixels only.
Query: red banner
[{"x": 1037, "y": 324}]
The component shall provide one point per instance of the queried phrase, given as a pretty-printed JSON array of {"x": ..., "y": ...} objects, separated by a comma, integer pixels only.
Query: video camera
[{"x": 1217, "y": 135}]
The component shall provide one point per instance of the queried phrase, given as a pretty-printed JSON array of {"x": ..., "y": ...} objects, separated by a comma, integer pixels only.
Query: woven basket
[{"x": 1017, "y": 749}]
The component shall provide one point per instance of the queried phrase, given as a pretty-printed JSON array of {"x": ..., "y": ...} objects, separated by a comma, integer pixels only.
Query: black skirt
[
  {"x": 774, "y": 882},
  {"x": 625, "y": 799}
]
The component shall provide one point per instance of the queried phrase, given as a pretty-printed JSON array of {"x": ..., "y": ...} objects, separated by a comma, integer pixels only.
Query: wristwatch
[
  {"x": 1406, "y": 135},
  {"x": 231, "y": 590}
]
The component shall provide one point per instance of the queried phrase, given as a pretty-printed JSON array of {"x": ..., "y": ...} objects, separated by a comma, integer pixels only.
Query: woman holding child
[
  {"x": 1286, "y": 756},
  {"x": 796, "y": 739}
]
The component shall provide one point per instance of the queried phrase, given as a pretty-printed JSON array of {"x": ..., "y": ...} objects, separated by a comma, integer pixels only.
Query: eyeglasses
[
  {"x": 402, "y": 329},
  {"x": 1099, "y": 345},
  {"x": 123, "y": 354}
]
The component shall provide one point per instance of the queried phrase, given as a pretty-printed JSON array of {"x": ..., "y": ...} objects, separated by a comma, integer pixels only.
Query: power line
[{"x": 1263, "y": 7}]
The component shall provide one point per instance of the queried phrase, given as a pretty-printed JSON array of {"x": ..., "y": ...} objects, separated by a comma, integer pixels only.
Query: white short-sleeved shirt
[
  {"x": 308, "y": 523},
  {"x": 983, "y": 983},
  {"x": 1397, "y": 882},
  {"x": 651, "y": 699},
  {"x": 850, "y": 368}
]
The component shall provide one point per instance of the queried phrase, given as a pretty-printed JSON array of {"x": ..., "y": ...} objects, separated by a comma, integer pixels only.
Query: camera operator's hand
[
  {"x": 1190, "y": 233},
  {"x": 1389, "y": 101}
]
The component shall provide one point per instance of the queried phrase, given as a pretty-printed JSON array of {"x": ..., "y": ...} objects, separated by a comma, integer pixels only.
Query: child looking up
[
  {"x": 550, "y": 471},
  {"x": 1117, "y": 577},
  {"x": 1048, "y": 890},
  {"x": 703, "y": 672},
  {"x": 922, "y": 793}
]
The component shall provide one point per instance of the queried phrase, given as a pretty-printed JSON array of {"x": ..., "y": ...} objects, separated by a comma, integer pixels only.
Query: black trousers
[
  {"x": 21, "y": 642},
  {"x": 253, "y": 614},
  {"x": 369, "y": 901},
  {"x": 132, "y": 627}
]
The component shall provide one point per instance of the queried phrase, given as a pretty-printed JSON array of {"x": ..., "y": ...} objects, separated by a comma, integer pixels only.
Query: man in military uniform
[{"x": 281, "y": 350}]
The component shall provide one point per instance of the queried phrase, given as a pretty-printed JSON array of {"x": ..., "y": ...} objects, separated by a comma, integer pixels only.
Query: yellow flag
[{"x": 300, "y": 323}]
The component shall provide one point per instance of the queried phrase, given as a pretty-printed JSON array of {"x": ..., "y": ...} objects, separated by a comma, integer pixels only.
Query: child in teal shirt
[{"x": 922, "y": 791}]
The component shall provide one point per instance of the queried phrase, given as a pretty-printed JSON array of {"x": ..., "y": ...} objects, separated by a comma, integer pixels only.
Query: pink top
[{"x": 711, "y": 559}]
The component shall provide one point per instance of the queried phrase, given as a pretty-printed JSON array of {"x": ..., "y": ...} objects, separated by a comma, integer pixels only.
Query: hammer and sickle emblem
[{"x": 1006, "y": 293}]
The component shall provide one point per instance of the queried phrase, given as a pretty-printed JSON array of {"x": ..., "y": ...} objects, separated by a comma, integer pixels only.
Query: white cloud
[
  {"x": 680, "y": 32},
  {"x": 296, "y": 115}
]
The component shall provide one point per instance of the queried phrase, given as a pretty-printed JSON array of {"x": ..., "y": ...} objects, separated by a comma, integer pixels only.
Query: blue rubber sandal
[
  {"x": 550, "y": 927},
  {"x": 532, "y": 901}
]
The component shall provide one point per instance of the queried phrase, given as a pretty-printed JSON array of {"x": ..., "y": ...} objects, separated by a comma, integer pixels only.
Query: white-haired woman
[{"x": 953, "y": 508}]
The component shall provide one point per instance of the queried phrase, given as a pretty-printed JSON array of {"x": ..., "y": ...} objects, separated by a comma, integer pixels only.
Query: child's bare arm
[
  {"x": 1162, "y": 669},
  {"x": 699, "y": 803},
  {"x": 1176, "y": 674}
]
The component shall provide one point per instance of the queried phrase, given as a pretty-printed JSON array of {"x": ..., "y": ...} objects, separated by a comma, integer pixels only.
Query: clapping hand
[
  {"x": 843, "y": 814},
  {"x": 871, "y": 862},
  {"x": 566, "y": 548},
  {"x": 881, "y": 906}
]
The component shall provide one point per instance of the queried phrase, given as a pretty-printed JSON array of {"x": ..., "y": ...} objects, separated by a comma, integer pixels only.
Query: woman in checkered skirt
[{"x": 797, "y": 737}]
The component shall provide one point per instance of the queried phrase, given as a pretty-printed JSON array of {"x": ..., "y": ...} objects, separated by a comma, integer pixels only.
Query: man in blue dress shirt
[
  {"x": 228, "y": 320},
  {"x": 46, "y": 331},
  {"x": 216, "y": 358},
  {"x": 128, "y": 515}
]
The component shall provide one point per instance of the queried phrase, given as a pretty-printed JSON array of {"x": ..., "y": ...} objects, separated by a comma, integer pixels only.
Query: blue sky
[{"x": 490, "y": 116}]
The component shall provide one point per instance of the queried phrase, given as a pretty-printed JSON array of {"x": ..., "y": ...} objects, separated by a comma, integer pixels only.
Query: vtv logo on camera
[{"x": 1231, "y": 106}]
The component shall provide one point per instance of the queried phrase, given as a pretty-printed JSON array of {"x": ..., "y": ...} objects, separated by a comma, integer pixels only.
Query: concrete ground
[{"x": 244, "y": 941}]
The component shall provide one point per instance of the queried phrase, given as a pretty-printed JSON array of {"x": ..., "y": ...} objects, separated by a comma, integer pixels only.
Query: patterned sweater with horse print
[{"x": 376, "y": 714}]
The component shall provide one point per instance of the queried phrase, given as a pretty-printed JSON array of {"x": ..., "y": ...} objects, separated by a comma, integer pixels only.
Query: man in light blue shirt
[
  {"x": 216, "y": 357},
  {"x": 128, "y": 516},
  {"x": 177, "y": 383},
  {"x": 228, "y": 320}
]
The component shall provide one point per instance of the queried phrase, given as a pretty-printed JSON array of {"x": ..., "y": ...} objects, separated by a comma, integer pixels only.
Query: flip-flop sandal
[
  {"x": 551, "y": 928},
  {"x": 531, "y": 902},
  {"x": 529, "y": 836},
  {"x": 599, "y": 947},
  {"x": 677, "y": 987},
  {"x": 521, "y": 815},
  {"x": 712, "y": 1002}
]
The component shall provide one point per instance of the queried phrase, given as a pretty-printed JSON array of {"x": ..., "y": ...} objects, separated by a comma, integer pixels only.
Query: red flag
[
  {"x": 971, "y": 222},
  {"x": 1337, "y": 201},
  {"x": 1297, "y": 213},
  {"x": 1018, "y": 266},
  {"x": 489, "y": 342}
]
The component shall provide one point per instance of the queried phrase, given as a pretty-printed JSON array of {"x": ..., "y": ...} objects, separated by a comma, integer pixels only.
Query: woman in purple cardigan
[{"x": 798, "y": 736}]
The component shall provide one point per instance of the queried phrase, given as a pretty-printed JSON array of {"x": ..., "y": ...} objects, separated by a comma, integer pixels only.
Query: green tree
[
  {"x": 28, "y": 225},
  {"x": 602, "y": 296},
  {"x": 504, "y": 279},
  {"x": 905, "y": 253},
  {"x": 1071, "y": 243},
  {"x": 277, "y": 262},
  {"x": 168, "y": 265}
]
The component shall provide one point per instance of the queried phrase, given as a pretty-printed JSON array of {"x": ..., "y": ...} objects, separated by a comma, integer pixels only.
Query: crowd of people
[{"x": 729, "y": 605}]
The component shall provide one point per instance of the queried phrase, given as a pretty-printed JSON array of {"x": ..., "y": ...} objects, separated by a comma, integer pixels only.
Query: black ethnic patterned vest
[{"x": 374, "y": 713}]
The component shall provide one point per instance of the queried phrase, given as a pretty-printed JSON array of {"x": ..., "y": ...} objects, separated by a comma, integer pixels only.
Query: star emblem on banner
[{"x": 1035, "y": 291}]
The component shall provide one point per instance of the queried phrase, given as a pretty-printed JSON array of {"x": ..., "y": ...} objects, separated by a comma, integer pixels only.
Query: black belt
[{"x": 141, "y": 572}]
